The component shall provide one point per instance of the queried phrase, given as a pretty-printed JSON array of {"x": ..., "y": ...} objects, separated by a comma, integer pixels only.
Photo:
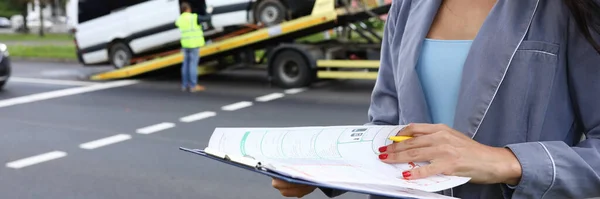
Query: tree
[
  {"x": 58, "y": 7},
  {"x": 42, "y": 4},
  {"x": 22, "y": 5}
]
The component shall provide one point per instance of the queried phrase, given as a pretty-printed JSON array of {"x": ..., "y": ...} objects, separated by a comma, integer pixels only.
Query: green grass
[
  {"x": 41, "y": 49},
  {"x": 44, "y": 51},
  {"x": 259, "y": 53},
  {"x": 35, "y": 37}
]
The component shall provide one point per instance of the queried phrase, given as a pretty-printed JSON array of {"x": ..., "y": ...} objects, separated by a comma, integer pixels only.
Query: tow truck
[{"x": 288, "y": 63}]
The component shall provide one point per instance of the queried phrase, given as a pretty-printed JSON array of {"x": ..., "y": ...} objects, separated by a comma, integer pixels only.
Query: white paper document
[{"x": 345, "y": 156}]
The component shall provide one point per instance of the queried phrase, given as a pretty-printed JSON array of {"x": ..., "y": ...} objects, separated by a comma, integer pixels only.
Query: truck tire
[
  {"x": 120, "y": 55},
  {"x": 270, "y": 12},
  {"x": 291, "y": 70}
]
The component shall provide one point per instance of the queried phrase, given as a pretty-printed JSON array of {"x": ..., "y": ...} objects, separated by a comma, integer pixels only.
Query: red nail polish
[
  {"x": 383, "y": 156},
  {"x": 383, "y": 149},
  {"x": 406, "y": 174}
]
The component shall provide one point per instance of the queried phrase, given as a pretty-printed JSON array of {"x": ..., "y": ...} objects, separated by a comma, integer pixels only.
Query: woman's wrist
[{"x": 510, "y": 169}]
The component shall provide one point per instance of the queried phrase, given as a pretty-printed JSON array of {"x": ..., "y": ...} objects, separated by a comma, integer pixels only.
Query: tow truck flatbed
[{"x": 324, "y": 17}]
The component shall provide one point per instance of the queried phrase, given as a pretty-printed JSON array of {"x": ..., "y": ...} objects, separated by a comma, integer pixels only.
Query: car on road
[
  {"x": 115, "y": 31},
  {"x": 4, "y": 65}
]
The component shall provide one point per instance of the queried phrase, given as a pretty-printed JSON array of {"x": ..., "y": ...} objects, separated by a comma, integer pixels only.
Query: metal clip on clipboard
[{"x": 244, "y": 160}]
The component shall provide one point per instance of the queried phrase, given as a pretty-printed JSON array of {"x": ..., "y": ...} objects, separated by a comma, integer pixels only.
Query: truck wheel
[
  {"x": 291, "y": 69},
  {"x": 270, "y": 12},
  {"x": 120, "y": 55}
]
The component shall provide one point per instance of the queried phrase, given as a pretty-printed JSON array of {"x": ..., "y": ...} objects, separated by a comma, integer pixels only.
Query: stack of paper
[{"x": 343, "y": 157}]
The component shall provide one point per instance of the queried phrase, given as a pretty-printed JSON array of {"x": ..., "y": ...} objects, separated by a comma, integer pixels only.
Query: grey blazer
[{"x": 531, "y": 82}]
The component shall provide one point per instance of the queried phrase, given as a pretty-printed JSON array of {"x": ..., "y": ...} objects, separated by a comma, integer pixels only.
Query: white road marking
[
  {"x": 155, "y": 128},
  {"x": 36, "y": 159},
  {"x": 269, "y": 97},
  {"x": 50, "y": 81},
  {"x": 105, "y": 141},
  {"x": 294, "y": 91},
  {"x": 197, "y": 116},
  {"x": 237, "y": 106},
  {"x": 64, "y": 92}
]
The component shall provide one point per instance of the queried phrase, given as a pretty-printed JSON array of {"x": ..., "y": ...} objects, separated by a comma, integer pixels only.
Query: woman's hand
[
  {"x": 451, "y": 153},
  {"x": 291, "y": 190}
]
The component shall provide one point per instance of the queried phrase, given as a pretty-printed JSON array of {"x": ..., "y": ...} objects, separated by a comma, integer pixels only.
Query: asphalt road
[{"x": 48, "y": 110}]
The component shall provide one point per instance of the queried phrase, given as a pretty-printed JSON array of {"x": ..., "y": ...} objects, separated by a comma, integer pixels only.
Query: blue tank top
[{"x": 440, "y": 69}]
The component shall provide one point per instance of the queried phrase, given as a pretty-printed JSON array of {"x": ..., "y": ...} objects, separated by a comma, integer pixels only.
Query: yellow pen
[{"x": 399, "y": 138}]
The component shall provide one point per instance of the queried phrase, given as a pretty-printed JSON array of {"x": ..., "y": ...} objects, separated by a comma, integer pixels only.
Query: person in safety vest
[{"x": 192, "y": 38}]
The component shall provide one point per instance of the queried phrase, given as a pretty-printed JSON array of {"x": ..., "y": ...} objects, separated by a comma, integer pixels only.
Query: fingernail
[
  {"x": 383, "y": 156},
  {"x": 406, "y": 174},
  {"x": 383, "y": 149}
]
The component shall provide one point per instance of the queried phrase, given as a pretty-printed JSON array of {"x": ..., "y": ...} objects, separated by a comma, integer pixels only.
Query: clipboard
[
  {"x": 257, "y": 169},
  {"x": 264, "y": 170}
]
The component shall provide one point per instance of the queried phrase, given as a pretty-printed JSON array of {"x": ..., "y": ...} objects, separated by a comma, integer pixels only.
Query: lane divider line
[
  {"x": 105, "y": 141},
  {"x": 64, "y": 92},
  {"x": 294, "y": 91},
  {"x": 50, "y": 81},
  {"x": 116, "y": 138},
  {"x": 270, "y": 97},
  {"x": 155, "y": 128},
  {"x": 197, "y": 116},
  {"x": 237, "y": 106},
  {"x": 25, "y": 162}
]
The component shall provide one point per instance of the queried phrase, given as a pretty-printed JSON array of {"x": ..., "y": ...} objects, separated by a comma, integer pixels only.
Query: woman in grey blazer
[{"x": 501, "y": 91}]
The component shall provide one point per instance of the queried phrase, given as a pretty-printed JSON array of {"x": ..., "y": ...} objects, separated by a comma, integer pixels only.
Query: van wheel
[
  {"x": 120, "y": 55},
  {"x": 291, "y": 69},
  {"x": 270, "y": 12}
]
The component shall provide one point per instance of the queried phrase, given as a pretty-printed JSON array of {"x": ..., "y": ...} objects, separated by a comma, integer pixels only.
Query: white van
[{"x": 114, "y": 31}]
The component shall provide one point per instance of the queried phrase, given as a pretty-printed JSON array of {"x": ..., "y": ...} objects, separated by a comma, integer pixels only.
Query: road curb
[{"x": 32, "y": 59}]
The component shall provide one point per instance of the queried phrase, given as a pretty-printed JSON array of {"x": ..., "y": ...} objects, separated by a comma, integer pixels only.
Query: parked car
[
  {"x": 33, "y": 23},
  {"x": 4, "y": 65},
  {"x": 114, "y": 31},
  {"x": 37, "y": 23},
  {"x": 5, "y": 22}
]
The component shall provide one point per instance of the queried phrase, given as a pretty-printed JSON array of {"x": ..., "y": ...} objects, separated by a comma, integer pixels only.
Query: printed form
[{"x": 340, "y": 155}]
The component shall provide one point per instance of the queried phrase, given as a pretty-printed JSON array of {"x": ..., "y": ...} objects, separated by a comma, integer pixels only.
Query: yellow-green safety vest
[{"x": 192, "y": 35}]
